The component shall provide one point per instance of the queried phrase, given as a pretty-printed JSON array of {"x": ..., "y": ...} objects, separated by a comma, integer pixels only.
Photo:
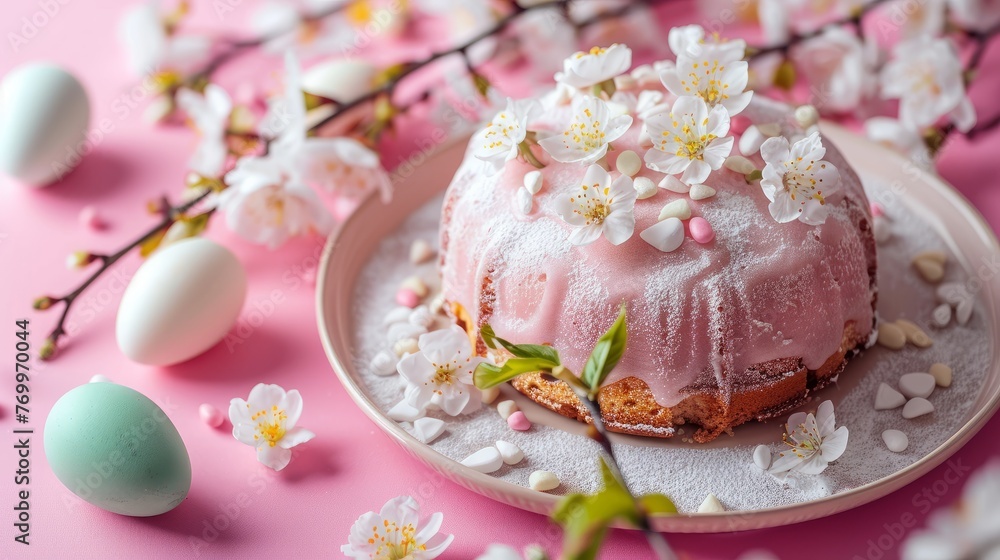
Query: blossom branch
[{"x": 797, "y": 38}]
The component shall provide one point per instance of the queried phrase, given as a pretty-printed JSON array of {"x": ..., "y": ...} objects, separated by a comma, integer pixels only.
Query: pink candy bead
[
  {"x": 211, "y": 415},
  {"x": 877, "y": 210},
  {"x": 90, "y": 219},
  {"x": 518, "y": 421},
  {"x": 407, "y": 298},
  {"x": 701, "y": 230}
]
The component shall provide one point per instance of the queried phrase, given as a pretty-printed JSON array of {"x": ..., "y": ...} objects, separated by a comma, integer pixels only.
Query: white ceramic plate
[{"x": 935, "y": 202}]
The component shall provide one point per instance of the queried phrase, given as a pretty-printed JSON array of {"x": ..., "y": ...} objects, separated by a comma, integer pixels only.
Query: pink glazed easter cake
[{"x": 742, "y": 324}]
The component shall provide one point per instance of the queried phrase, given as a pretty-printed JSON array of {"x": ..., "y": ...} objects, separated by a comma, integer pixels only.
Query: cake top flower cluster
[{"x": 680, "y": 113}]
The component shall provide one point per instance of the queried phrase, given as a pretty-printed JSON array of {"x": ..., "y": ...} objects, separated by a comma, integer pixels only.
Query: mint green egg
[{"x": 114, "y": 448}]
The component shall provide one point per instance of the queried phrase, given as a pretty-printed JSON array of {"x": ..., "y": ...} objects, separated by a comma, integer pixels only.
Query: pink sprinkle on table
[
  {"x": 210, "y": 415},
  {"x": 701, "y": 230}
]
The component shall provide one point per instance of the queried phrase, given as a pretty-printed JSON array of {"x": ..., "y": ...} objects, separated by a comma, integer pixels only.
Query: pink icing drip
[{"x": 757, "y": 292}]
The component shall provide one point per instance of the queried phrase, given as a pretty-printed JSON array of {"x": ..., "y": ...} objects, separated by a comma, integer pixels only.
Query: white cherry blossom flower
[
  {"x": 396, "y": 533},
  {"x": 775, "y": 20},
  {"x": 967, "y": 529},
  {"x": 814, "y": 442},
  {"x": 691, "y": 41},
  {"x": 926, "y": 17},
  {"x": 977, "y": 15},
  {"x": 643, "y": 105},
  {"x": 587, "y": 138},
  {"x": 267, "y": 201},
  {"x": 837, "y": 67},
  {"x": 895, "y": 135},
  {"x": 344, "y": 166},
  {"x": 690, "y": 139},
  {"x": 290, "y": 26},
  {"x": 267, "y": 421},
  {"x": 926, "y": 76},
  {"x": 796, "y": 179},
  {"x": 152, "y": 50},
  {"x": 585, "y": 69},
  {"x": 209, "y": 113},
  {"x": 441, "y": 371},
  {"x": 500, "y": 141},
  {"x": 713, "y": 75},
  {"x": 599, "y": 206}
]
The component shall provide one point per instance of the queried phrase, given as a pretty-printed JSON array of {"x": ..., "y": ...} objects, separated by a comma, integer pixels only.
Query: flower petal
[
  {"x": 275, "y": 457},
  {"x": 295, "y": 436}
]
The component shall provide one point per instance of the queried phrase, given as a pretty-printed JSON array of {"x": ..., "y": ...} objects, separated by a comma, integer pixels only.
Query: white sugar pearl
[
  {"x": 533, "y": 181},
  {"x": 701, "y": 192},
  {"x": 524, "y": 201},
  {"x": 673, "y": 184},
  {"x": 644, "y": 188},
  {"x": 895, "y": 440},
  {"x": 751, "y": 141},
  {"x": 405, "y": 412},
  {"x": 917, "y": 407},
  {"x": 420, "y": 251},
  {"x": 486, "y": 460},
  {"x": 427, "y": 430},
  {"x": 399, "y": 314},
  {"x": 679, "y": 209},
  {"x": 770, "y": 129},
  {"x": 510, "y": 453},
  {"x": 806, "y": 115},
  {"x": 963, "y": 311},
  {"x": 711, "y": 505},
  {"x": 506, "y": 408},
  {"x": 421, "y": 316},
  {"x": 405, "y": 346},
  {"x": 384, "y": 364},
  {"x": 628, "y": 163},
  {"x": 400, "y": 331},
  {"x": 941, "y": 315},
  {"x": 543, "y": 481},
  {"x": 762, "y": 457},
  {"x": 888, "y": 398},
  {"x": 952, "y": 292},
  {"x": 666, "y": 236},
  {"x": 490, "y": 395},
  {"x": 882, "y": 231},
  {"x": 917, "y": 385},
  {"x": 739, "y": 164}
]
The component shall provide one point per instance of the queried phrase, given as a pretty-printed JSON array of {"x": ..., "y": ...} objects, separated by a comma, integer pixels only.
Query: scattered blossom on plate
[
  {"x": 587, "y": 138},
  {"x": 814, "y": 441},
  {"x": 441, "y": 371},
  {"x": 797, "y": 180},
  {"x": 267, "y": 421},
  {"x": 599, "y": 206},
  {"x": 598, "y": 65},
  {"x": 396, "y": 532},
  {"x": 690, "y": 139},
  {"x": 500, "y": 141}
]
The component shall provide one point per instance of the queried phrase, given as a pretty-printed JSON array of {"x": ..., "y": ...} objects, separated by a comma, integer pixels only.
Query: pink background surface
[{"x": 350, "y": 467}]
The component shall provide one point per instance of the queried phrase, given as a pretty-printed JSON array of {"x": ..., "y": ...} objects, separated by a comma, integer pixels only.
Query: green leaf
[
  {"x": 607, "y": 353},
  {"x": 488, "y": 375},
  {"x": 538, "y": 351},
  {"x": 657, "y": 504}
]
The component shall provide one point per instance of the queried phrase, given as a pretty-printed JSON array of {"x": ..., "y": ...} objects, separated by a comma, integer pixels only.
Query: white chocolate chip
[
  {"x": 751, "y": 141},
  {"x": 806, "y": 115},
  {"x": 490, "y": 395},
  {"x": 666, "y": 236},
  {"x": 917, "y": 385},
  {"x": 628, "y": 163},
  {"x": 510, "y": 453},
  {"x": 930, "y": 270},
  {"x": 941, "y": 374},
  {"x": 679, "y": 209},
  {"x": 711, "y": 505},
  {"x": 939, "y": 257},
  {"x": 421, "y": 316},
  {"x": 524, "y": 201},
  {"x": 427, "y": 430},
  {"x": 895, "y": 440},
  {"x": 384, "y": 364},
  {"x": 486, "y": 460},
  {"x": 917, "y": 407},
  {"x": 891, "y": 336},
  {"x": 740, "y": 164},
  {"x": 543, "y": 481},
  {"x": 417, "y": 285},
  {"x": 405, "y": 346},
  {"x": 882, "y": 231},
  {"x": 420, "y": 251},
  {"x": 770, "y": 130},
  {"x": 644, "y": 188},
  {"x": 941, "y": 315},
  {"x": 914, "y": 334},
  {"x": 701, "y": 192},
  {"x": 888, "y": 398},
  {"x": 506, "y": 408},
  {"x": 762, "y": 457},
  {"x": 963, "y": 311},
  {"x": 533, "y": 181},
  {"x": 436, "y": 304},
  {"x": 405, "y": 412},
  {"x": 673, "y": 184}
]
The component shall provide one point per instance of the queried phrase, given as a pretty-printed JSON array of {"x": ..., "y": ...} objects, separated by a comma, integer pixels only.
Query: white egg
[
  {"x": 341, "y": 80},
  {"x": 44, "y": 114},
  {"x": 181, "y": 302}
]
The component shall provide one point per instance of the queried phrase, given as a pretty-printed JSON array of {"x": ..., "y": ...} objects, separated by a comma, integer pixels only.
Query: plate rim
[{"x": 542, "y": 503}]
